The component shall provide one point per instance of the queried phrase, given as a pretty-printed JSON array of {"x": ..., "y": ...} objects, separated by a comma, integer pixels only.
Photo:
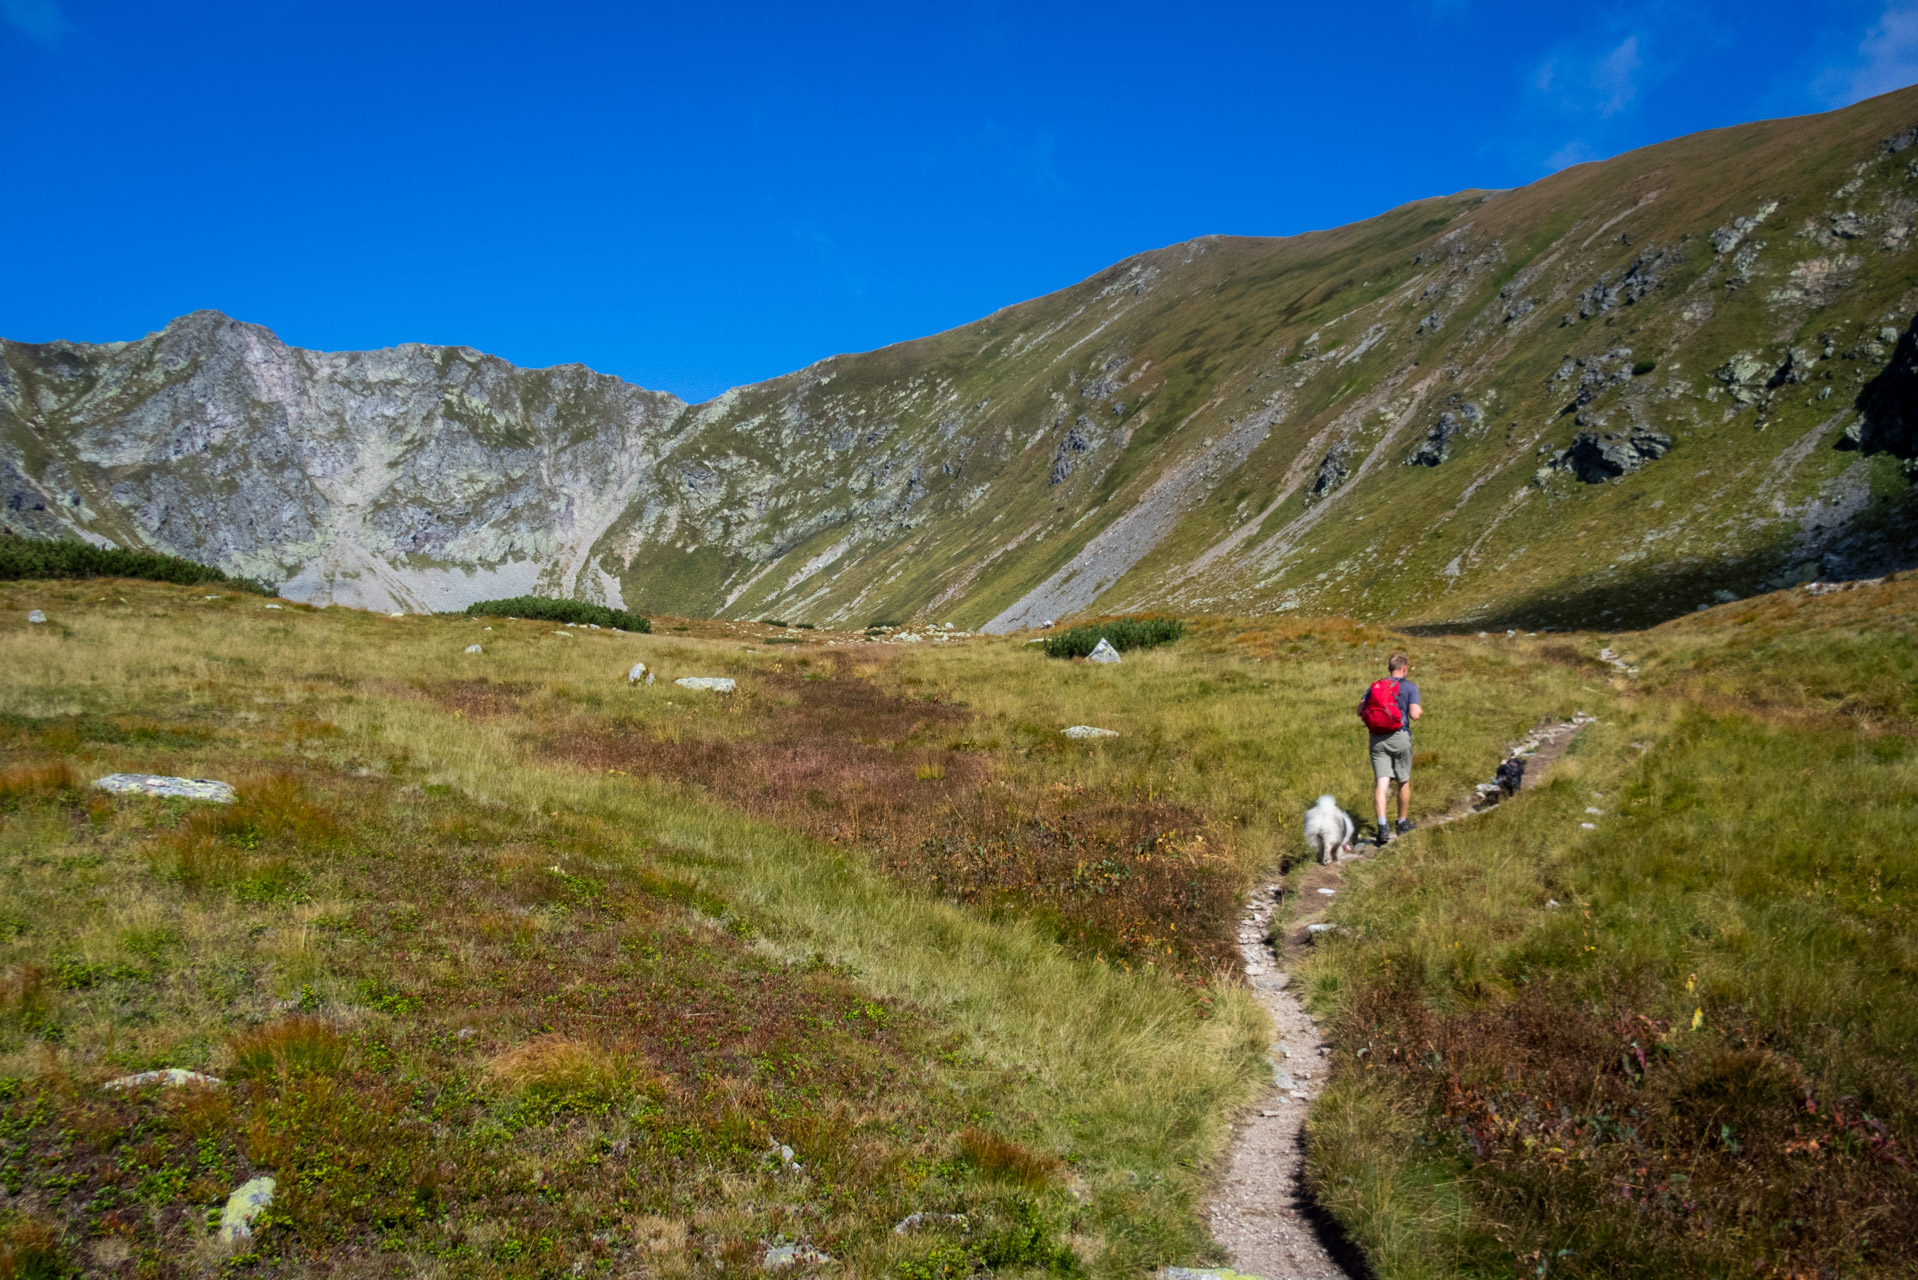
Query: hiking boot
[
  {"x": 1405, "y": 825},
  {"x": 1385, "y": 835}
]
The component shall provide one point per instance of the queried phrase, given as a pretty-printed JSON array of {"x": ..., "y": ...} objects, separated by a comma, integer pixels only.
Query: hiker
[{"x": 1388, "y": 709}]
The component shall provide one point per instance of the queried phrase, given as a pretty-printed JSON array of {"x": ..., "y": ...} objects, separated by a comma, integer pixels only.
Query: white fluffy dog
[{"x": 1329, "y": 829}]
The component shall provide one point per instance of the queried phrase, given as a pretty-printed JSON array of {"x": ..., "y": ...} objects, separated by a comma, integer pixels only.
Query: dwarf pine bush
[
  {"x": 549, "y": 609},
  {"x": 22, "y": 558},
  {"x": 1124, "y": 633}
]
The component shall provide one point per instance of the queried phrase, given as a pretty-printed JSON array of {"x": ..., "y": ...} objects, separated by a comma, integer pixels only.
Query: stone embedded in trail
[
  {"x": 1204, "y": 1273},
  {"x": 35, "y": 616},
  {"x": 1089, "y": 731},
  {"x": 142, "y": 784},
  {"x": 1103, "y": 652},
  {"x": 246, "y": 1203},
  {"x": 712, "y": 684},
  {"x": 170, "y": 1077}
]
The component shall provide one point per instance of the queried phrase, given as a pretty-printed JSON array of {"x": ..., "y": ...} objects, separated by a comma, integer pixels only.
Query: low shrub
[
  {"x": 1123, "y": 633},
  {"x": 22, "y": 558},
  {"x": 550, "y": 609}
]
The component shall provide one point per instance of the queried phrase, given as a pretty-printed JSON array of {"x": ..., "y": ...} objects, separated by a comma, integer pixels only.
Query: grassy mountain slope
[{"x": 1604, "y": 397}]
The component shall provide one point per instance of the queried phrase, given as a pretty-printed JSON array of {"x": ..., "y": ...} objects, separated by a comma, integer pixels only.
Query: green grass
[
  {"x": 959, "y": 963},
  {"x": 24, "y": 558},
  {"x": 550, "y": 609}
]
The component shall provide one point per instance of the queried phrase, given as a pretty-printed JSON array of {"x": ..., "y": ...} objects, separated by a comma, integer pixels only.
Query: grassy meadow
[{"x": 514, "y": 968}]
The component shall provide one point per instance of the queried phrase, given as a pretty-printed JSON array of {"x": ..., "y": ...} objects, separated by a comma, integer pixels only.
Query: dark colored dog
[{"x": 1510, "y": 776}]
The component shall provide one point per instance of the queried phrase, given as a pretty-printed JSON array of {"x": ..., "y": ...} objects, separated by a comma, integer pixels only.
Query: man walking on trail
[{"x": 1388, "y": 709}]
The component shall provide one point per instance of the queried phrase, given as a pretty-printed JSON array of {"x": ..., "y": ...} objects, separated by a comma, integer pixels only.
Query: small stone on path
[
  {"x": 1089, "y": 731},
  {"x": 1328, "y": 892},
  {"x": 142, "y": 784},
  {"x": 712, "y": 684}
]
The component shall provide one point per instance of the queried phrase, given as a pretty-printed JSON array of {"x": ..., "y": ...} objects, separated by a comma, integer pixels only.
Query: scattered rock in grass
[
  {"x": 36, "y": 617},
  {"x": 1588, "y": 826},
  {"x": 712, "y": 684},
  {"x": 567, "y": 634},
  {"x": 913, "y": 1221},
  {"x": 1328, "y": 892},
  {"x": 784, "y": 1155},
  {"x": 473, "y": 648},
  {"x": 637, "y": 675},
  {"x": 269, "y": 606},
  {"x": 1594, "y": 812},
  {"x": 141, "y": 784},
  {"x": 1103, "y": 652},
  {"x": 1320, "y": 928},
  {"x": 779, "y": 1256},
  {"x": 465, "y": 1033},
  {"x": 394, "y": 614},
  {"x": 1089, "y": 731},
  {"x": 246, "y": 1204},
  {"x": 167, "y": 1077}
]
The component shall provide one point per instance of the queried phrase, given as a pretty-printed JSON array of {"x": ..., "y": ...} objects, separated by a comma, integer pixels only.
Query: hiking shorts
[{"x": 1392, "y": 755}]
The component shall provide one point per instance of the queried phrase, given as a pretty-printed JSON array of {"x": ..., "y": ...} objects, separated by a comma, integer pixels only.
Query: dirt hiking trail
[{"x": 1261, "y": 1210}]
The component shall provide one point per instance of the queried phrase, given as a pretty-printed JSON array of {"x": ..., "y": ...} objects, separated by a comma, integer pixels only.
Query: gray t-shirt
[{"x": 1408, "y": 694}]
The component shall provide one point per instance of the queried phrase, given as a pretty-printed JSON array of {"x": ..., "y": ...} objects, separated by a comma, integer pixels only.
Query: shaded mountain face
[{"x": 1600, "y": 399}]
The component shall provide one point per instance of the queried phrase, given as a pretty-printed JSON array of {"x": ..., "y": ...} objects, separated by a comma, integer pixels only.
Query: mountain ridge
[{"x": 1400, "y": 418}]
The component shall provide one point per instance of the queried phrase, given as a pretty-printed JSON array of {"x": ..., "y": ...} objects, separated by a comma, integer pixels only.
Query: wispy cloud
[
  {"x": 1573, "y": 152},
  {"x": 1615, "y": 78},
  {"x": 39, "y": 20},
  {"x": 1606, "y": 86},
  {"x": 1887, "y": 59}
]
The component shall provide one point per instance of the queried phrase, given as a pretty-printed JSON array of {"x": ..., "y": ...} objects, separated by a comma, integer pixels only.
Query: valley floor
[{"x": 513, "y": 967}]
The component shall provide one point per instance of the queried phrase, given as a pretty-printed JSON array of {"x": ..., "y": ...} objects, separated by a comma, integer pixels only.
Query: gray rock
[
  {"x": 780, "y": 1256},
  {"x": 1437, "y": 446},
  {"x": 473, "y": 648},
  {"x": 243, "y": 1208},
  {"x": 913, "y": 1221},
  {"x": 142, "y": 784},
  {"x": 167, "y": 1077},
  {"x": 1103, "y": 652},
  {"x": 1597, "y": 457},
  {"x": 35, "y": 616},
  {"x": 1334, "y": 470},
  {"x": 711, "y": 684},
  {"x": 1088, "y": 731},
  {"x": 1744, "y": 375},
  {"x": 638, "y": 674},
  {"x": 1725, "y": 239}
]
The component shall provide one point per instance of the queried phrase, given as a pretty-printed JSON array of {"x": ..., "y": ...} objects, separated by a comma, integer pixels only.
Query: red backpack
[{"x": 1380, "y": 710}]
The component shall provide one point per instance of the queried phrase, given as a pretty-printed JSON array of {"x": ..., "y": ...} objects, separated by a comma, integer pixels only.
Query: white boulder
[
  {"x": 142, "y": 784},
  {"x": 170, "y": 1077},
  {"x": 36, "y": 617},
  {"x": 473, "y": 648},
  {"x": 712, "y": 684},
  {"x": 1103, "y": 652},
  {"x": 247, "y": 1203},
  {"x": 1089, "y": 731}
]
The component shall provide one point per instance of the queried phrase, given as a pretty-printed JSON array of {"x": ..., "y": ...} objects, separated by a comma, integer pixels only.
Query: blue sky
[{"x": 694, "y": 196}]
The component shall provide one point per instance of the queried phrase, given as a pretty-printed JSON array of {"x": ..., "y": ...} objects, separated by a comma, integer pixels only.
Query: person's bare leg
[
  {"x": 1405, "y": 800},
  {"x": 1381, "y": 794}
]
